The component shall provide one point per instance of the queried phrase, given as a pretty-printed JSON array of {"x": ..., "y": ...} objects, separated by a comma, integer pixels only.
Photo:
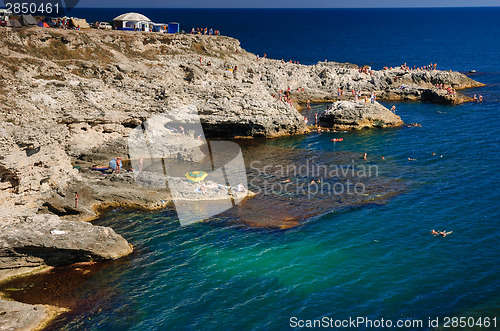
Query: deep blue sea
[{"x": 374, "y": 261}]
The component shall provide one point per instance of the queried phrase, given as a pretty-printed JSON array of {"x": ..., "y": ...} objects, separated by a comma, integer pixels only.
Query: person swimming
[{"x": 440, "y": 233}]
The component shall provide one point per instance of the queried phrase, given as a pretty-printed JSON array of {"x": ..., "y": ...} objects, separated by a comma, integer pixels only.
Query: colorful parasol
[{"x": 196, "y": 176}]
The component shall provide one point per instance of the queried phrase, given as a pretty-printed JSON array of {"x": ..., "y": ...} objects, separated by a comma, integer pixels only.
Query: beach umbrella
[
  {"x": 43, "y": 25},
  {"x": 112, "y": 164},
  {"x": 196, "y": 176}
]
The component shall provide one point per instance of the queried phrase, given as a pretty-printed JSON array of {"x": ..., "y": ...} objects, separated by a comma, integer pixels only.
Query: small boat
[{"x": 472, "y": 71}]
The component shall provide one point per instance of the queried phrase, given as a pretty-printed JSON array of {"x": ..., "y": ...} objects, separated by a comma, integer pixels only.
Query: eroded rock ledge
[
  {"x": 47, "y": 240},
  {"x": 356, "y": 115}
]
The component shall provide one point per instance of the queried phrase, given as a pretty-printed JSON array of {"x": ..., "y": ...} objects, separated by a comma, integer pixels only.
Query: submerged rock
[{"x": 352, "y": 115}]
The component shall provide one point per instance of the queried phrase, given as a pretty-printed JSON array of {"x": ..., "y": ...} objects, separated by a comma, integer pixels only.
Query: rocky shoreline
[{"x": 70, "y": 99}]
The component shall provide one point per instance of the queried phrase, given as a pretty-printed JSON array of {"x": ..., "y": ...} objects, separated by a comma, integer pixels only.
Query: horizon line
[{"x": 410, "y": 7}]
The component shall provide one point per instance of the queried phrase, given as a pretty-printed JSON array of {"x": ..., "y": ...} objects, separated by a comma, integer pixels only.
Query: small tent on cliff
[
  {"x": 13, "y": 23},
  {"x": 133, "y": 22},
  {"x": 28, "y": 20},
  {"x": 78, "y": 23}
]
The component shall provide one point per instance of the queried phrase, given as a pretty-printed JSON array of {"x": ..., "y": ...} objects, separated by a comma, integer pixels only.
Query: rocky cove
[{"x": 70, "y": 99}]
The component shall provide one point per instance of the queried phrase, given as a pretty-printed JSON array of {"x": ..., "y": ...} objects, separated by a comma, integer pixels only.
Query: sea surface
[{"x": 369, "y": 260}]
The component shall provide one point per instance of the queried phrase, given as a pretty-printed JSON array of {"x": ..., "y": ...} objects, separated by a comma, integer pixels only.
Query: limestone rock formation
[
  {"x": 47, "y": 240},
  {"x": 71, "y": 99},
  {"x": 21, "y": 316},
  {"x": 352, "y": 115}
]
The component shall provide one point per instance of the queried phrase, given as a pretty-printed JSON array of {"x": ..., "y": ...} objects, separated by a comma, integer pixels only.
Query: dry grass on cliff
[
  {"x": 56, "y": 48},
  {"x": 125, "y": 45},
  {"x": 3, "y": 92},
  {"x": 50, "y": 77},
  {"x": 14, "y": 63}
]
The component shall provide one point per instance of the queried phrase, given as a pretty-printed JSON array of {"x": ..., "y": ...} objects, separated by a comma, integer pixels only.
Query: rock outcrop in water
[
  {"x": 352, "y": 115},
  {"x": 46, "y": 240},
  {"x": 20, "y": 316},
  {"x": 69, "y": 100}
]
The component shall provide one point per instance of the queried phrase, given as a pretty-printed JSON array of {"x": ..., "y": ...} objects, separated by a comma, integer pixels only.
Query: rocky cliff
[{"x": 70, "y": 99}]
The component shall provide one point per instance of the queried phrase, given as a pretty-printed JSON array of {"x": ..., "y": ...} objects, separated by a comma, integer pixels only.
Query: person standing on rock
[
  {"x": 118, "y": 164},
  {"x": 141, "y": 163},
  {"x": 393, "y": 109},
  {"x": 316, "y": 119},
  {"x": 308, "y": 103},
  {"x": 76, "y": 199}
]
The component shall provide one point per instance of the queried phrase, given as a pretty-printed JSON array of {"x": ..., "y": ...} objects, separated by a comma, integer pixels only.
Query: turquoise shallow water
[{"x": 373, "y": 261}]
